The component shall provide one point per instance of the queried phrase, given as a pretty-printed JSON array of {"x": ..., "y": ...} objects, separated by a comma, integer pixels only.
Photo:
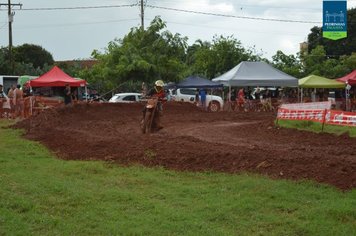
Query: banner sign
[
  {"x": 334, "y": 19},
  {"x": 307, "y": 106},
  {"x": 340, "y": 118},
  {"x": 329, "y": 117},
  {"x": 311, "y": 115}
]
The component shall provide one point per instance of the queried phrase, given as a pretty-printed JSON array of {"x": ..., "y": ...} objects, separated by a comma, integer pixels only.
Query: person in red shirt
[
  {"x": 158, "y": 92},
  {"x": 241, "y": 99}
]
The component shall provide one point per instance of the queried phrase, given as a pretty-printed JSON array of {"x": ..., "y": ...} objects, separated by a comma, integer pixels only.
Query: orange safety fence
[
  {"x": 31, "y": 105},
  {"x": 324, "y": 116}
]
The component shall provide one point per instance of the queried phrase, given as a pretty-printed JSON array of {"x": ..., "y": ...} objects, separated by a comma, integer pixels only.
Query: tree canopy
[
  {"x": 141, "y": 56},
  {"x": 156, "y": 53},
  {"x": 28, "y": 59}
]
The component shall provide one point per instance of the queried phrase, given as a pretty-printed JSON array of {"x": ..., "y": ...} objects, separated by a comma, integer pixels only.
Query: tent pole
[
  {"x": 347, "y": 100},
  {"x": 301, "y": 96},
  {"x": 229, "y": 98},
  {"x": 31, "y": 105}
]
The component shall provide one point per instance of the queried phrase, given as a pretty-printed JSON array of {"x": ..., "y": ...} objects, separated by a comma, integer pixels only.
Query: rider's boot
[{"x": 158, "y": 121}]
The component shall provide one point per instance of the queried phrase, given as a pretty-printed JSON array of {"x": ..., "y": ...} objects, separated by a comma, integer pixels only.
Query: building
[{"x": 8, "y": 80}]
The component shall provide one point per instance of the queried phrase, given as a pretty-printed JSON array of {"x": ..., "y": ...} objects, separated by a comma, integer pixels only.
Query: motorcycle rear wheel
[{"x": 147, "y": 124}]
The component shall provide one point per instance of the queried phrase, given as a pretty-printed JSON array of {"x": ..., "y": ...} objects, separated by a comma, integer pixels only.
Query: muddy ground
[{"x": 193, "y": 140}]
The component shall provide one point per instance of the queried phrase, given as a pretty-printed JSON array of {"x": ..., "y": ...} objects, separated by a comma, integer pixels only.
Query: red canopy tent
[
  {"x": 56, "y": 78},
  {"x": 349, "y": 78}
]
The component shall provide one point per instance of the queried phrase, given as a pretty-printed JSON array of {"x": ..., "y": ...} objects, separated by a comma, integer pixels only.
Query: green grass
[
  {"x": 41, "y": 195},
  {"x": 317, "y": 127}
]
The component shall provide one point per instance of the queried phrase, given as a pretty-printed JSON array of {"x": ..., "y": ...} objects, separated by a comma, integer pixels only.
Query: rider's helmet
[{"x": 159, "y": 85}]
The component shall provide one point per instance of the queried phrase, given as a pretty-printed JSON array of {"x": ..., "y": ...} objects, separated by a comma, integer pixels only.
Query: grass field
[
  {"x": 41, "y": 195},
  {"x": 317, "y": 127}
]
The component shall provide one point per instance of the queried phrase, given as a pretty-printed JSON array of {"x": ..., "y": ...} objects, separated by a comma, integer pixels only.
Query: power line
[
  {"x": 233, "y": 16},
  {"x": 242, "y": 5},
  {"x": 170, "y": 9},
  {"x": 75, "y": 24},
  {"x": 244, "y": 30},
  {"x": 76, "y": 8}
]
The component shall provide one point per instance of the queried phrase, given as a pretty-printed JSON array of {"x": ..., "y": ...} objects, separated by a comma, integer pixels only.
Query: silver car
[{"x": 126, "y": 98}]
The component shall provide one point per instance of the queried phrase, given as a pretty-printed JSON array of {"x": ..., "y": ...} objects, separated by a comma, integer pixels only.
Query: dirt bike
[{"x": 147, "y": 123}]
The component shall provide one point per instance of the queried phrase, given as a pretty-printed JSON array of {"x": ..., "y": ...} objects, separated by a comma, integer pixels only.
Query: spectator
[
  {"x": 67, "y": 95},
  {"x": 197, "y": 97},
  {"x": 19, "y": 102},
  {"x": 10, "y": 94},
  {"x": 233, "y": 99},
  {"x": 2, "y": 100},
  {"x": 202, "y": 94},
  {"x": 258, "y": 93},
  {"x": 168, "y": 95},
  {"x": 241, "y": 98},
  {"x": 233, "y": 96},
  {"x": 144, "y": 89},
  {"x": 75, "y": 96}
]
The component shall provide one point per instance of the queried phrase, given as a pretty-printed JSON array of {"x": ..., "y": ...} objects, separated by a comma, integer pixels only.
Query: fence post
[
  {"x": 277, "y": 118},
  {"x": 324, "y": 118}
]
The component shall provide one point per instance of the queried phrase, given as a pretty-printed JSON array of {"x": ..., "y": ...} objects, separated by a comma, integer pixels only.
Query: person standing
[
  {"x": 67, "y": 95},
  {"x": 202, "y": 94},
  {"x": 144, "y": 89},
  {"x": 258, "y": 93},
  {"x": 2, "y": 100},
  {"x": 19, "y": 102},
  {"x": 10, "y": 95},
  {"x": 241, "y": 99},
  {"x": 197, "y": 97}
]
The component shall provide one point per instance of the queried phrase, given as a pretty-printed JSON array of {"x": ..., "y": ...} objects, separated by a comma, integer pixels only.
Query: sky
[{"x": 70, "y": 34}]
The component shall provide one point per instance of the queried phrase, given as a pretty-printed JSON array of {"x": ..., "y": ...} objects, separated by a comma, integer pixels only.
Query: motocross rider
[{"x": 158, "y": 92}]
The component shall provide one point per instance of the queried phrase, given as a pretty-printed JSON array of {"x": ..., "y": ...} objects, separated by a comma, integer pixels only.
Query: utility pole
[
  {"x": 142, "y": 16},
  {"x": 11, "y": 19}
]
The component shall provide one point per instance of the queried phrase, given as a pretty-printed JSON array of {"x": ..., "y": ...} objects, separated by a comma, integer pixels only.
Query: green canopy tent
[{"x": 314, "y": 81}]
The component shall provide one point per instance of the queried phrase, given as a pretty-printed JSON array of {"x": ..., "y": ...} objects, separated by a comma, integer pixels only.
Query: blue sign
[{"x": 334, "y": 19}]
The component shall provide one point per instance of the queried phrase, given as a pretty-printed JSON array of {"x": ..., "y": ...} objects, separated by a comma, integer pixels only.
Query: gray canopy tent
[
  {"x": 198, "y": 82},
  {"x": 256, "y": 74}
]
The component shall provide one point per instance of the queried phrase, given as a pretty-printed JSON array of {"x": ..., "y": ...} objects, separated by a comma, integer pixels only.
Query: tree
[
  {"x": 213, "y": 59},
  {"x": 22, "y": 65},
  {"x": 319, "y": 64},
  {"x": 33, "y": 54},
  {"x": 142, "y": 55},
  {"x": 289, "y": 64},
  {"x": 4, "y": 61}
]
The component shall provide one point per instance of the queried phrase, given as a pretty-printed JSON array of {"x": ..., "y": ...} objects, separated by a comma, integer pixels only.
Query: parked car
[
  {"x": 126, "y": 98},
  {"x": 213, "y": 102},
  {"x": 93, "y": 97}
]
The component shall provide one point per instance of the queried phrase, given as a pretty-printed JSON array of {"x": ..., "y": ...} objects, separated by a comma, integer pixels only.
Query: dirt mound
[{"x": 196, "y": 141}]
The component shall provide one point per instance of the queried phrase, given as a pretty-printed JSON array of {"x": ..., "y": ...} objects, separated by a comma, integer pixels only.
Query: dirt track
[{"x": 196, "y": 141}]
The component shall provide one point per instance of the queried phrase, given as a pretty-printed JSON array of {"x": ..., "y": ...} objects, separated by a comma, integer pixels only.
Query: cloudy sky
[{"x": 74, "y": 33}]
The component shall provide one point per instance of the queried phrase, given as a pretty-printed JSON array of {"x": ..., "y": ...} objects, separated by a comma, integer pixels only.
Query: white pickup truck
[{"x": 213, "y": 102}]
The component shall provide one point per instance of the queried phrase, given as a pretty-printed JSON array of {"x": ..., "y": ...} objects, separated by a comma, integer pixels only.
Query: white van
[{"x": 213, "y": 102}]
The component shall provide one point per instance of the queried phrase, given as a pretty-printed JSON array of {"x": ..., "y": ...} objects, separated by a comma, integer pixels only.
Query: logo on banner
[{"x": 334, "y": 19}]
